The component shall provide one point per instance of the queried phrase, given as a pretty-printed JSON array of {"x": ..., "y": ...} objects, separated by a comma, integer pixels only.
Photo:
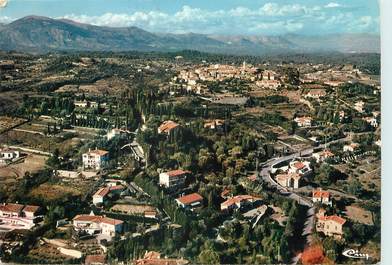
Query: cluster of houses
[
  {"x": 7, "y": 65},
  {"x": 192, "y": 79},
  {"x": 173, "y": 179},
  {"x": 329, "y": 225},
  {"x": 333, "y": 76},
  {"x": 236, "y": 202},
  {"x": 292, "y": 176},
  {"x": 14, "y": 216},
  {"x": 373, "y": 119},
  {"x": 316, "y": 93},
  {"x": 85, "y": 104},
  {"x": 18, "y": 216},
  {"x": 269, "y": 80}
]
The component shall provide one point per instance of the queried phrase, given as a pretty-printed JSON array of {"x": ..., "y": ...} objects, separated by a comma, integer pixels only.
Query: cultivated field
[{"x": 8, "y": 122}]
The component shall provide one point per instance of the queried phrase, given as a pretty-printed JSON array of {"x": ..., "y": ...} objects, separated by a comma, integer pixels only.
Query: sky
[{"x": 222, "y": 17}]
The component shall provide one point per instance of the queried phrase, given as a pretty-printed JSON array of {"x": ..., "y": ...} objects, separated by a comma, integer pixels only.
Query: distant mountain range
[{"x": 41, "y": 34}]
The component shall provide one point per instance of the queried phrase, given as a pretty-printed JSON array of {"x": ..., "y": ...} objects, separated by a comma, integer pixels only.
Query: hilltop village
[{"x": 189, "y": 158}]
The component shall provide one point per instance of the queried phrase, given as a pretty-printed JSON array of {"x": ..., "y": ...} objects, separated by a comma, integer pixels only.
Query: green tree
[
  {"x": 354, "y": 186},
  {"x": 324, "y": 175},
  {"x": 209, "y": 256},
  {"x": 54, "y": 160}
]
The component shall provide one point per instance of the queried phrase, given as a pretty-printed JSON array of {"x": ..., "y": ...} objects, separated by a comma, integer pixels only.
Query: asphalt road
[{"x": 266, "y": 176}]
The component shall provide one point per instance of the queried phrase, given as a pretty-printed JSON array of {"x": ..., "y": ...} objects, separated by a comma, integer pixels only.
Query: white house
[
  {"x": 95, "y": 159},
  {"x": 115, "y": 132},
  {"x": 86, "y": 104},
  {"x": 190, "y": 201},
  {"x": 18, "y": 216},
  {"x": 291, "y": 180},
  {"x": 330, "y": 225},
  {"x": 269, "y": 84},
  {"x": 216, "y": 124},
  {"x": 350, "y": 147},
  {"x": 95, "y": 224},
  {"x": 321, "y": 196},
  {"x": 342, "y": 115},
  {"x": 173, "y": 179},
  {"x": 358, "y": 106},
  {"x": 316, "y": 93},
  {"x": 268, "y": 75},
  {"x": 100, "y": 196},
  {"x": 372, "y": 121},
  {"x": 301, "y": 168},
  {"x": 238, "y": 201},
  {"x": 322, "y": 156},
  {"x": 7, "y": 155},
  {"x": 303, "y": 121}
]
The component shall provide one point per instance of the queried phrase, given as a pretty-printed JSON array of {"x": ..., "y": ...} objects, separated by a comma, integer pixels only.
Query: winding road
[
  {"x": 302, "y": 200},
  {"x": 266, "y": 176}
]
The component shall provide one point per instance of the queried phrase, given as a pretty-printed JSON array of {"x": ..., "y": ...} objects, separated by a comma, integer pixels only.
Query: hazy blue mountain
[{"x": 41, "y": 34}]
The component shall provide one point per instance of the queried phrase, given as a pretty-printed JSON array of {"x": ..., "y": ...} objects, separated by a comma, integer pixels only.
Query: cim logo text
[{"x": 351, "y": 253}]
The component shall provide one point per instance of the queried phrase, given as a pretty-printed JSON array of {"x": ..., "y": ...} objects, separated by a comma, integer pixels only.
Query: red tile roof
[
  {"x": 31, "y": 208},
  {"x": 287, "y": 176},
  {"x": 11, "y": 207},
  {"x": 320, "y": 194},
  {"x": 333, "y": 218},
  {"x": 111, "y": 221},
  {"x": 225, "y": 192},
  {"x": 211, "y": 123},
  {"x": 102, "y": 192},
  {"x": 190, "y": 198},
  {"x": 97, "y": 219},
  {"x": 177, "y": 172},
  {"x": 117, "y": 187},
  {"x": 299, "y": 165},
  {"x": 87, "y": 218},
  {"x": 316, "y": 92},
  {"x": 167, "y": 126},
  {"x": 152, "y": 255},
  {"x": 303, "y": 119},
  {"x": 106, "y": 190},
  {"x": 153, "y": 258},
  {"x": 327, "y": 153},
  {"x": 98, "y": 152},
  {"x": 238, "y": 199}
]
